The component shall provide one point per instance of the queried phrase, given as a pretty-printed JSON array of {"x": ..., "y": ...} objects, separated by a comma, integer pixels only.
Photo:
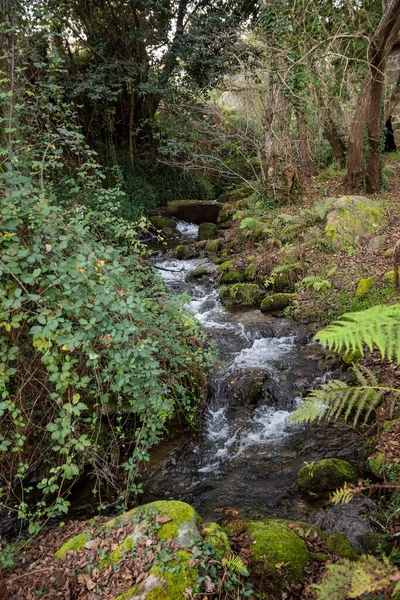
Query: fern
[
  {"x": 316, "y": 283},
  {"x": 337, "y": 398},
  {"x": 377, "y": 326},
  {"x": 344, "y": 495},
  {"x": 352, "y": 580},
  {"x": 235, "y": 564},
  {"x": 250, "y": 223}
]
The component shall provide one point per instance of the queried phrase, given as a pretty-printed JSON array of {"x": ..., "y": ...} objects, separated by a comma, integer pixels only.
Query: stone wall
[{"x": 392, "y": 77}]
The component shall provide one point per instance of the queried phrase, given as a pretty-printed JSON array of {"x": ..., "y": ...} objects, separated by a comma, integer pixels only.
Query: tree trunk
[
  {"x": 307, "y": 165},
  {"x": 368, "y": 119}
]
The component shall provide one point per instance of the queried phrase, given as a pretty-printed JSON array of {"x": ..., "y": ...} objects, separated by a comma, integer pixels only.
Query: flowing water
[{"x": 248, "y": 454}]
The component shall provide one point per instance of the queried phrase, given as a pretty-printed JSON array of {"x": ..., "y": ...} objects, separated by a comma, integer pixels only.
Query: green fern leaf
[
  {"x": 377, "y": 326},
  {"x": 235, "y": 564},
  {"x": 336, "y": 398}
]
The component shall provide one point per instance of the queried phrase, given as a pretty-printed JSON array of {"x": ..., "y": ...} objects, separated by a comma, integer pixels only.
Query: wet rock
[
  {"x": 245, "y": 388},
  {"x": 325, "y": 475},
  {"x": 349, "y": 519},
  {"x": 200, "y": 272},
  {"x": 180, "y": 252},
  {"x": 208, "y": 231},
  {"x": 277, "y": 545},
  {"x": 276, "y": 302},
  {"x": 353, "y": 217},
  {"x": 195, "y": 211}
]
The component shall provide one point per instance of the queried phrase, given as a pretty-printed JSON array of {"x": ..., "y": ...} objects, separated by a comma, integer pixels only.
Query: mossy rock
[
  {"x": 225, "y": 265},
  {"x": 170, "y": 232},
  {"x": 225, "y": 215},
  {"x": 250, "y": 272},
  {"x": 389, "y": 277},
  {"x": 377, "y": 464},
  {"x": 161, "y": 222},
  {"x": 276, "y": 302},
  {"x": 218, "y": 538},
  {"x": 232, "y": 276},
  {"x": 241, "y": 294},
  {"x": 180, "y": 252},
  {"x": 208, "y": 231},
  {"x": 326, "y": 475},
  {"x": 163, "y": 585},
  {"x": 351, "y": 356},
  {"x": 182, "y": 527},
  {"x": 352, "y": 218},
  {"x": 212, "y": 246},
  {"x": 340, "y": 545},
  {"x": 363, "y": 287},
  {"x": 277, "y": 544},
  {"x": 373, "y": 542},
  {"x": 200, "y": 272}
]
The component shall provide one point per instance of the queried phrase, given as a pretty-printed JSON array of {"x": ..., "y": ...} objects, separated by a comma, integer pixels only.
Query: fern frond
[
  {"x": 379, "y": 326},
  {"x": 353, "y": 580},
  {"x": 235, "y": 564},
  {"x": 343, "y": 495},
  {"x": 336, "y": 398}
]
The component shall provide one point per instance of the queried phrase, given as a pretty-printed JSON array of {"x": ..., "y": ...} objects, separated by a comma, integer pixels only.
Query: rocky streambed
[{"x": 247, "y": 454}]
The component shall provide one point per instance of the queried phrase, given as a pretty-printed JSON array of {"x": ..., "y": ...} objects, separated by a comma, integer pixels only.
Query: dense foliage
[{"x": 95, "y": 358}]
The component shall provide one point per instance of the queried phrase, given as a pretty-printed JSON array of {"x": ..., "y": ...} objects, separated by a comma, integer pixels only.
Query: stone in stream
[
  {"x": 276, "y": 302},
  {"x": 208, "y": 231},
  {"x": 241, "y": 294}
]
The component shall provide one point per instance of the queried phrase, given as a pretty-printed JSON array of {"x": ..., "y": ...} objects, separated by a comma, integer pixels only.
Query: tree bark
[
  {"x": 307, "y": 165},
  {"x": 368, "y": 117}
]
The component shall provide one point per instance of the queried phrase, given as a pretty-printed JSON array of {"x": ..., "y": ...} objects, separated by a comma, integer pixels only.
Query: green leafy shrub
[{"x": 95, "y": 358}]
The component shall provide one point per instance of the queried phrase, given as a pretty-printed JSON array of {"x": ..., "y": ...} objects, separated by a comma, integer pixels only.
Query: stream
[{"x": 247, "y": 454}]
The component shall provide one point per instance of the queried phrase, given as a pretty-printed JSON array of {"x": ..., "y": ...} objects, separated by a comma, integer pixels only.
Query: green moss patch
[
  {"x": 241, "y": 294},
  {"x": 276, "y": 302},
  {"x": 218, "y": 538},
  {"x": 363, "y": 287},
  {"x": 76, "y": 543},
  {"x": 232, "y": 276},
  {"x": 277, "y": 546},
  {"x": 208, "y": 231},
  {"x": 326, "y": 475},
  {"x": 340, "y": 545}
]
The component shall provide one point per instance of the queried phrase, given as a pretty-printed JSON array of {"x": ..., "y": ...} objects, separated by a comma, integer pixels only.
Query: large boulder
[
  {"x": 195, "y": 211},
  {"x": 352, "y": 218},
  {"x": 326, "y": 475}
]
